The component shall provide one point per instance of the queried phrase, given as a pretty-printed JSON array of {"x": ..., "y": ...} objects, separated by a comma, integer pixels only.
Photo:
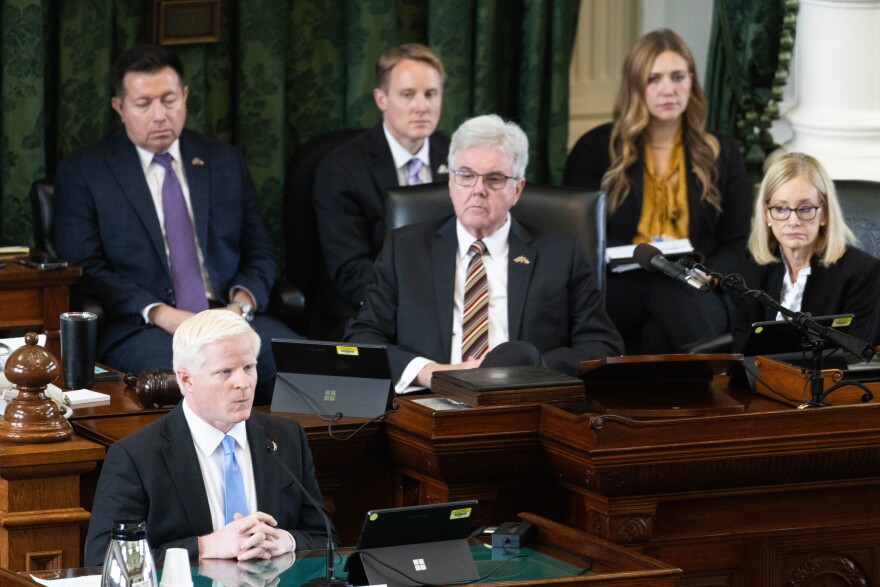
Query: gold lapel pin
[
  {"x": 522, "y": 260},
  {"x": 443, "y": 170},
  {"x": 197, "y": 162}
]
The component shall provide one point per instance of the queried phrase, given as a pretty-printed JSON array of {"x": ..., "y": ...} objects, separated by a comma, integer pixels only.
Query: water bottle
[{"x": 128, "y": 562}]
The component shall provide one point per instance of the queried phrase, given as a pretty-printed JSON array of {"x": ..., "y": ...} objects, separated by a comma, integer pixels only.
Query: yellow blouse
[{"x": 664, "y": 199}]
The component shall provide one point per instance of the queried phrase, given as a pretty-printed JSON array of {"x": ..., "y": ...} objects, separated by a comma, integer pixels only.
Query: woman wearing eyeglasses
[
  {"x": 803, "y": 254},
  {"x": 665, "y": 177}
]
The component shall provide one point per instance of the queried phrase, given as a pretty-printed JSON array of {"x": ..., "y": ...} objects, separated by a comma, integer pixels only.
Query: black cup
[{"x": 79, "y": 337}]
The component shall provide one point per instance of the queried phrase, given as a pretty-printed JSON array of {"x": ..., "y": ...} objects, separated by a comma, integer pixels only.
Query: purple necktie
[
  {"x": 412, "y": 171},
  {"x": 189, "y": 289}
]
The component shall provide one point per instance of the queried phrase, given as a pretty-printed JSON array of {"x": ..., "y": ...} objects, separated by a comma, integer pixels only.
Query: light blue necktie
[{"x": 234, "y": 500}]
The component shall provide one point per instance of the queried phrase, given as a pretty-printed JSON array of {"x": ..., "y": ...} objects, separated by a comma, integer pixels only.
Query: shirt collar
[
  {"x": 496, "y": 243},
  {"x": 146, "y": 157},
  {"x": 206, "y": 436},
  {"x": 401, "y": 156}
]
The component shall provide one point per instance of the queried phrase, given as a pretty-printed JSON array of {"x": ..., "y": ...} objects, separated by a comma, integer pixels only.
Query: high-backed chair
[
  {"x": 305, "y": 260},
  {"x": 578, "y": 212},
  {"x": 860, "y": 201}
]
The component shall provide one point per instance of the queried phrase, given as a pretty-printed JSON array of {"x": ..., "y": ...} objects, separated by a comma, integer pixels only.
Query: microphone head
[{"x": 643, "y": 254}]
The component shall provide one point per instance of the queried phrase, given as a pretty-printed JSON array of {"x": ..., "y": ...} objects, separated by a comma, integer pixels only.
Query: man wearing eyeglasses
[{"x": 480, "y": 289}]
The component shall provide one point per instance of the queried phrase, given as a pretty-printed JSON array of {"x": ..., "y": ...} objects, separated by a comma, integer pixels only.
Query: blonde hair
[
  {"x": 413, "y": 51},
  {"x": 631, "y": 118},
  {"x": 204, "y": 328},
  {"x": 833, "y": 237}
]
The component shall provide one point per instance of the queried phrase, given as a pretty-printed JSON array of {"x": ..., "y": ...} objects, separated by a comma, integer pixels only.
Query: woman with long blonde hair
[{"x": 665, "y": 177}]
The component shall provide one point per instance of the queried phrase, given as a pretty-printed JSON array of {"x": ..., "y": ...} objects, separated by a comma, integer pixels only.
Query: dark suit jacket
[
  {"x": 107, "y": 224},
  {"x": 154, "y": 475},
  {"x": 552, "y": 301},
  {"x": 720, "y": 238},
  {"x": 351, "y": 187},
  {"x": 848, "y": 286}
]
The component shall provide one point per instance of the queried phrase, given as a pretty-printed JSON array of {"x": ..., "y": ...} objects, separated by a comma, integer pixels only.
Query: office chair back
[
  {"x": 41, "y": 196},
  {"x": 860, "y": 202},
  {"x": 578, "y": 212}
]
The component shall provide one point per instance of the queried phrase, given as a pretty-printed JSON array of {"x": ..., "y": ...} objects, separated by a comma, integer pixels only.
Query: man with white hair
[
  {"x": 480, "y": 288},
  {"x": 211, "y": 476}
]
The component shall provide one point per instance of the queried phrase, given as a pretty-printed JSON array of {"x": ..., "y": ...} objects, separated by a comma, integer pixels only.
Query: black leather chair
[
  {"x": 305, "y": 261},
  {"x": 577, "y": 212}
]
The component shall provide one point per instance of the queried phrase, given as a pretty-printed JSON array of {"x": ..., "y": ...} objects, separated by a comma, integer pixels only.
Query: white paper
[
  {"x": 623, "y": 254},
  {"x": 86, "y": 581},
  {"x": 85, "y": 396}
]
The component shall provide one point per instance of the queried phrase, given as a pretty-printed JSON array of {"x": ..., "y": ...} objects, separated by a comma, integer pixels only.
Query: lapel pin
[
  {"x": 443, "y": 170},
  {"x": 197, "y": 162},
  {"x": 522, "y": 260}
]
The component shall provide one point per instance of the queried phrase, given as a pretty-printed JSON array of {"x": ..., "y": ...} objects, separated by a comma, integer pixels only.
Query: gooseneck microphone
[
  {"x": 650, "y": 258},
  {"x": 330, "y": 579}
]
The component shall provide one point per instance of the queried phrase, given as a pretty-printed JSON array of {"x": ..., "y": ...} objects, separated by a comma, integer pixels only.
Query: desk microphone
[
  {"x": 650, "y": 258},
  {"x": 330, "y": 579}
]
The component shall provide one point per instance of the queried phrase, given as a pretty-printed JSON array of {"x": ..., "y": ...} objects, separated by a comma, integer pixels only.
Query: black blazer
[
  {"x": 851, "y": 285},
  {"x": 720, "y": 238},
  {"x": 154, "y": 475},
  {"x": 351, "y": 186},
  {"x": 109, "y": 227},
  {"x": 552, "y": 300}
]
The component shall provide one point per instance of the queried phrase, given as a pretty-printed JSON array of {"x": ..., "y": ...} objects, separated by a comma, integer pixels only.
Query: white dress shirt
[
  {"x": 401, "y": 157},
  {"x": 792, "y": 294}
]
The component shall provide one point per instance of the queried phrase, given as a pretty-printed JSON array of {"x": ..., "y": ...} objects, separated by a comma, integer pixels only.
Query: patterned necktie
[
  {"x": 475, "y": 322},
  {"x": 189, "y": 289},
  {"x": 412, "y": 171},
  {"x": 234, "y": 501}
]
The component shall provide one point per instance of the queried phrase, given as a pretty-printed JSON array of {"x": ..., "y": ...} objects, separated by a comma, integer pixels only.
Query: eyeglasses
[
  {"x": 783, "y": 212},
  {"x": 493, "y": 181}
]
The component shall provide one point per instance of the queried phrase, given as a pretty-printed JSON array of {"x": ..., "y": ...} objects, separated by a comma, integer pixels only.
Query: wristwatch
[{"x": 247, "y": 310}]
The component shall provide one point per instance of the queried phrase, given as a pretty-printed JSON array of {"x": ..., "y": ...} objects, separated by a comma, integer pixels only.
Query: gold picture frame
[{"x": 185, "y": 22}]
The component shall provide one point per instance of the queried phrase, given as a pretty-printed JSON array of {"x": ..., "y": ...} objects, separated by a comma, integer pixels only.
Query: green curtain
[
  {"x": 283, "y": 72},
  {"x": 749, "y": 60}
]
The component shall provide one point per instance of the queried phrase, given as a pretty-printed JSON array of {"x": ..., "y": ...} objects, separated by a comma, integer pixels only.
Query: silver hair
[
  {"x": 204, "y": 328},
  {"x": 490, "y": 131}
]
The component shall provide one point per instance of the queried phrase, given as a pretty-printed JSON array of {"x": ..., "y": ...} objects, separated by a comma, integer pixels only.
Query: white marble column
[{"x": 837, "y": 74}]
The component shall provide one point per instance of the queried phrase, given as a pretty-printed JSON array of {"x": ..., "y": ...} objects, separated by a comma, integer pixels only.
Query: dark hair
[{"x": 143, "y": 59}]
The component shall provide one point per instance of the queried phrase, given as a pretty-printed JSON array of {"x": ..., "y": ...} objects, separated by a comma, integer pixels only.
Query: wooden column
[{"x": 41, "y": 516}]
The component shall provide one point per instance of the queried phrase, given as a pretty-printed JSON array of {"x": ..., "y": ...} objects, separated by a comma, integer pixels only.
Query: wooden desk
[
  {"x": 31, "y": 297},
  {"x": 612, "y": 565},
  {"x": 770, "y": 496}
]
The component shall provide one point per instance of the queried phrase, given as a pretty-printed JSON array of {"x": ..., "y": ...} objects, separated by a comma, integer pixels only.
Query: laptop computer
[
  {"x": 415, "y": 545},
  {"x": 331, "y": 379},
  {"x": 784, "y": 336}
]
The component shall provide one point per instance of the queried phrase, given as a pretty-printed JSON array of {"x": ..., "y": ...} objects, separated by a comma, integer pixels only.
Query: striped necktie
[{"x": 475, "y": 321}]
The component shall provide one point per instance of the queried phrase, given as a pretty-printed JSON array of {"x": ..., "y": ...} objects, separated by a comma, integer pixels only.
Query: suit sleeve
[
  {"x": 593, "y": 335},
  {"x": 861, "y": 287},
  {"x": 79, "y": 240},
  {"x": 376, "y": 322},
  {"x": 589, "y": 160},
  {"x": 344, "y": 230},
  {"x": 122, "y": 495}
]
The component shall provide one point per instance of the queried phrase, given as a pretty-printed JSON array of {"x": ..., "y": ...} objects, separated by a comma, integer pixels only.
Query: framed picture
[{"x": 185, "y": 22}]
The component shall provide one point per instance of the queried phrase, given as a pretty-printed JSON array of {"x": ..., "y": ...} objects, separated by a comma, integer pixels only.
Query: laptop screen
[
  {"x": 784, "y": 336},
  {"x": 417, "y": 524},
  {"x": 331, "y": 379}
]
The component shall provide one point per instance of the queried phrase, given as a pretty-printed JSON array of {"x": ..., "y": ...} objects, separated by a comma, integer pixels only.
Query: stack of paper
[{"x": 620, "y": 259}]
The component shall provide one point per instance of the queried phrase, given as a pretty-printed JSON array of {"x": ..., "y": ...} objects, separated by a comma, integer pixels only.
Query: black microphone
[
  {"x": 330, "y": 579},
  {"x": 650, "y": 258}
]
